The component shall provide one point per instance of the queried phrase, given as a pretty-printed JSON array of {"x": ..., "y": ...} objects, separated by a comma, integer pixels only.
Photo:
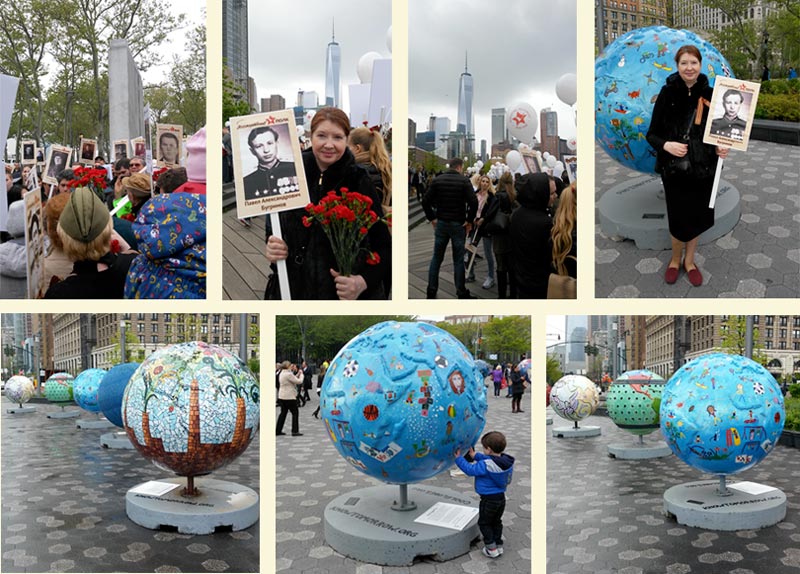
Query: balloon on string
[
  {"x": 551, "y": 161},
  {"x": 559, "y": 166},
  {"x": 567, "y": 89},
  {"x": 523, "y": 147},
  {"x": 572, "y": 143},
  {"x": 522, "y": 122},
  {"x": 300, "y": 131},
  {"x": 513, "y": 160},
  {"x": 364, "y": 67},
  {"x": 545, "y": 155}
]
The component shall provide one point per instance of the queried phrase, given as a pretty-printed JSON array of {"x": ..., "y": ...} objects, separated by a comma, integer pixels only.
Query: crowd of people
[
  {"x": 97, "y": 245},
  {"x": 527, "y": 225}
]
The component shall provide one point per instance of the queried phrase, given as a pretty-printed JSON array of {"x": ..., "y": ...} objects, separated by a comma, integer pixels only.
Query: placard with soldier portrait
[
  {"x": 139, "y": 149},
  {"x": 268, "y": 164},
  {"x": 121, "y": 150},
  {"x": 733, "y": 107},
  {"x": 57, "y": 161},
  {"x": 169, "y": 144},
  {"x": 88, "y": 151},
  {"x": 28, "y": 154}
]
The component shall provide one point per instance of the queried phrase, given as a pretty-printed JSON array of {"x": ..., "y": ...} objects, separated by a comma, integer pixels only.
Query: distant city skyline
[{"x": 516, "y": 54}]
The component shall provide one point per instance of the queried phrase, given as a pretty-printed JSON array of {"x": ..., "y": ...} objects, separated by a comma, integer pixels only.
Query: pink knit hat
[{"x": 196, "y": 156}]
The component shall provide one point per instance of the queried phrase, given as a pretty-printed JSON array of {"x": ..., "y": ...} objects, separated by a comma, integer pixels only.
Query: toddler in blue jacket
[{"x": 492, "y": 471}]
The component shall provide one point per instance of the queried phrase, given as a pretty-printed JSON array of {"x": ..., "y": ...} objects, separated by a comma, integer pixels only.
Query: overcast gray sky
[
  {"x": 517, "y": 51},
  {"x": 288, "y": 42}
]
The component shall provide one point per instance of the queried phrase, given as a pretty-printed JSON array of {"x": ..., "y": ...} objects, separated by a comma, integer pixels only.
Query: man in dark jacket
[
  {"x": 530, "y": 235},
  {"x": 450, "y": 204}
]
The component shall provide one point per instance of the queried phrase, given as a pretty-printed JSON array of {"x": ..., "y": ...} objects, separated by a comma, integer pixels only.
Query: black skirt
[{"x": 688, "y": 213}]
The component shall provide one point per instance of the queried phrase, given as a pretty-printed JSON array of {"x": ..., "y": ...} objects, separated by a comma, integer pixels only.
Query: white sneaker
[
  {"x": 491, "y": 552},
  {"x": 500, "y": 550},
  {"x": 489, "y": 283}
]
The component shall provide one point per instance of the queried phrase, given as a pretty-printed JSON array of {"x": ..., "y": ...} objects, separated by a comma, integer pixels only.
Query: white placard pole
[
  {"x": 283, "y": 273},
  {"x": 714, "y": 188}
]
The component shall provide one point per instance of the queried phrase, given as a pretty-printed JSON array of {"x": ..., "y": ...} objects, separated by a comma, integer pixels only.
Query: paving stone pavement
[
  {"x": 606, "y": 515},
  {"x": 759, "y": 258},
  {"x": 310, "y": 473},
  {"x": 63, "y": 506}
]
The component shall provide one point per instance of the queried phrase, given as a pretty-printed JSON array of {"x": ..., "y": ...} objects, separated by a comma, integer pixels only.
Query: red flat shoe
[
  {"x": 671, "y": 275},
  {"x": 695, "y": 277}
]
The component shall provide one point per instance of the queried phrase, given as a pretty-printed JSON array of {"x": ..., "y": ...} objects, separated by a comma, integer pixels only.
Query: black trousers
[
  {"x": 490, "y": 520},
  {"x": 288, "y": 406}
]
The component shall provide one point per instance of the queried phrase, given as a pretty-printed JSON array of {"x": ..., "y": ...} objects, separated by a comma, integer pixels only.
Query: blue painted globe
[
  {"x": 112, "y": 389},
  {"x": 628, "y": 78},
  {"x": 400, "y": 398},
  {"x": 483, "y": 367},
  {"x": 722, "y": 413},
  {"x": 525, "y": 367},
  {"x": 85, "y": 389}
]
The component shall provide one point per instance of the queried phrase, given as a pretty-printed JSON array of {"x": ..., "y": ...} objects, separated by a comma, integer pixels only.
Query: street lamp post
[{"x": 122, "y": 341}]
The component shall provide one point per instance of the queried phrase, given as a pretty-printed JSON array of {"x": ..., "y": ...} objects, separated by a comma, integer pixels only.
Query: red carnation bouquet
[
  {"x": 89, "y": 177},
  {"x": 346, "y": 217}
]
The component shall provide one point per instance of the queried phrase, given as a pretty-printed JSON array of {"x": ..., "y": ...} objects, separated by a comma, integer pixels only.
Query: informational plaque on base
[
  {"x": 447, "y": 515},
  {"x": 153, "y": 488}
]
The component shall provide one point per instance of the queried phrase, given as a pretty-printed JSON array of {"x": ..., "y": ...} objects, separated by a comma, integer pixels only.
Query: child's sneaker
[
  {"x": 500, "y": 549},
  {"x": 491, "y": 552}
]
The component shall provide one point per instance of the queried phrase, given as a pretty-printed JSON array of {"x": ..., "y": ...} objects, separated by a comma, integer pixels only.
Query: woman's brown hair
[
  {"x": 688, "y": 49},
  {"x": 333, "y": 115}
]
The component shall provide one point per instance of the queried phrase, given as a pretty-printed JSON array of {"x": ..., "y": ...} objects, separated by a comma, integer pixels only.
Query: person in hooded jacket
[
  {"x": 530, "y": 235},
  {"x": 492, "y": 470},
  {"x": 329, "y": 166},
  {"x": 676, "y": 131}
]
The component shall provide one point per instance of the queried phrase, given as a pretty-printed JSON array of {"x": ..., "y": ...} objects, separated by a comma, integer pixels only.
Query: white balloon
[
  {"x": 572, "y": 143},
  {"x": 364, "y": 67},
  {"x": 300, "y": 131},
  {"x": 567, "y": 89},
  {"x": 546, "y": 155},
  {"x": 522, "y": 122},
  {"x": 557, "y": 171},
  {"x": 513, "y": 159},
  {"x": 523, "y": 147},
  {"x": 551, "y": 161},
  {"x": 389, "y": 39},
  {"x": 559, "y": 166},
  {"x": 479, "y": 164}
]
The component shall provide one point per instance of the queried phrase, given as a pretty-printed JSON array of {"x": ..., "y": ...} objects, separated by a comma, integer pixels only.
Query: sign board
[
  {"x": 268, "y": 164},
  {"x": 34, "y": 245},
  {"x": 446, "y": 515}
]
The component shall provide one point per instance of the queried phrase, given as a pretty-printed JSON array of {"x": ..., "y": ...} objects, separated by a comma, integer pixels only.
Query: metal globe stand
[
  {"x": 639, "y": 450},
  {"x": 710, "y": 504},
  {"x": 636, "y": 209},
  {"x": 202, "y": 506},
  {"x": 370, "y": 525},
  {"x": 576, "y": 431}
]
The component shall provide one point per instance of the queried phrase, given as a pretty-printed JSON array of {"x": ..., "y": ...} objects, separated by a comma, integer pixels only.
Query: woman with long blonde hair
[
  {"x": 370, "y": 152},
  {"x": 486, "y": 201},
  {"x": 564, "y": 233}
]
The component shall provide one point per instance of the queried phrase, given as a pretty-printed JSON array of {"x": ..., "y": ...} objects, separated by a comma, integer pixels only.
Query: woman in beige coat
[{"x": 287, "y": 397}]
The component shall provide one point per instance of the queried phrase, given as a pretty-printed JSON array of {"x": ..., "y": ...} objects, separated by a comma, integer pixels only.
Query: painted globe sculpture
[
  {"x": 722, "y": 413},
  {"x": 85, "y": 388},
  {"x": 548, "y": 390},
  {"x": 58, "y": 388},
  {"x": 525, "y": 367},
  {"x": 634, "y": 401},
  {"x": 191, "y": 408},
  {"x": 19, "y": 389},
  {"x": 483, "y": 367},
  {"x": 400, "y": 398},
  {"x": 628, "y": 78},
  {"x": 574, "y": 397},
  {"x": 112, "y": 389}
]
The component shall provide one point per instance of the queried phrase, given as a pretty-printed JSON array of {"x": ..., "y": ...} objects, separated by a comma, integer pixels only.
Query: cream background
[{"x": 586, "y": 303}]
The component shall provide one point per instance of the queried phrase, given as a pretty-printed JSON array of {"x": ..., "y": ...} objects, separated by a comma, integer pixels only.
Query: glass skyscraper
[
  {"x": 333, "y": 63},
  {"x": 464, "y": 123},
  {"x": 234, "y": 41}
]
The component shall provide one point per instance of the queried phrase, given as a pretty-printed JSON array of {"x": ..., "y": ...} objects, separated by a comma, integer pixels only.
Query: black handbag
[{"x": 499, "y": 224}]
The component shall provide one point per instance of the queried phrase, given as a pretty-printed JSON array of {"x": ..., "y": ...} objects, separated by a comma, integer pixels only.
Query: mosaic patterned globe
[
  {"x": 634, "y": 401},
  {"x": 19, "y": 389},
  {"x": 85, "y": 388},
  {"x": 112, "y": 389},
  {"x": 525, "y": 367},
  {"x": 722, "y": 413},
  {"x": 191, "y": 408},
  {"x": 628, "y": 78},
  {"x": 574, "y": 397},
  {"x": 400, "y": 398},
  {"x": 58, "y": 388}
]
